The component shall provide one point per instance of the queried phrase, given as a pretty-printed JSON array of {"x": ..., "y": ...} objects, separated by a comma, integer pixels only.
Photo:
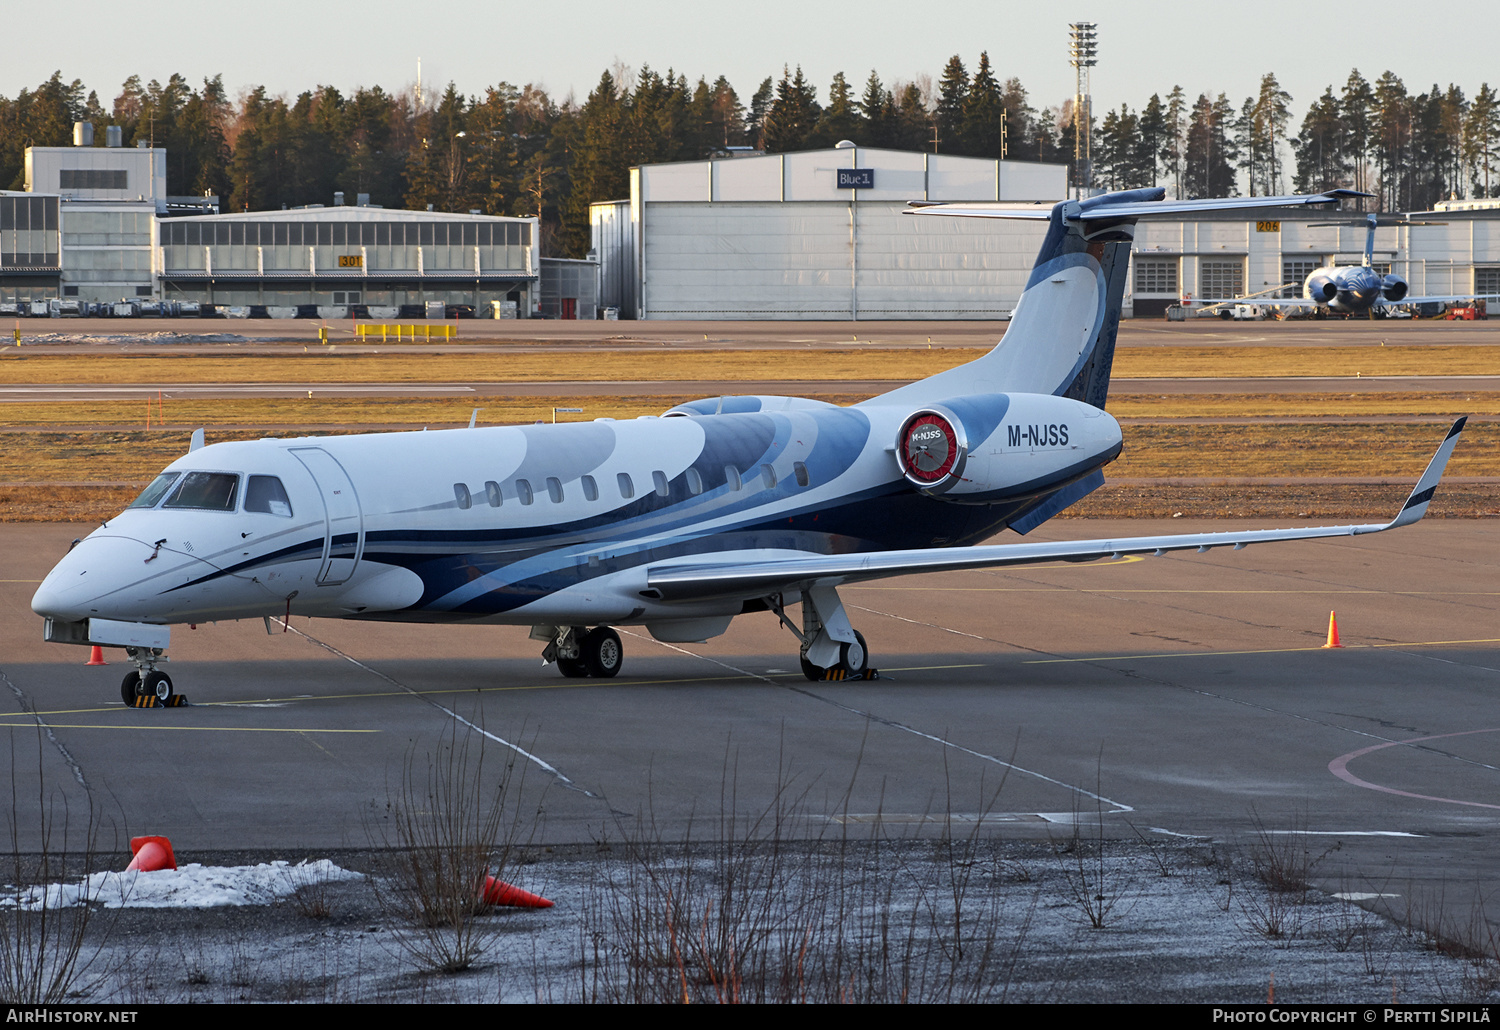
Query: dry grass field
[{"x": 519, "y": 364}]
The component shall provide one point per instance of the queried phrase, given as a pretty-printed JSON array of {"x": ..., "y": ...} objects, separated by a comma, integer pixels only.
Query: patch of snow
[{"x": 189, "y": 886}]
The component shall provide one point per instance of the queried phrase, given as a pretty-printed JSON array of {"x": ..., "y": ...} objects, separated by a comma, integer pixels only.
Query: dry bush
[
  {"x": 444, "y": 829},
  {"x": 44, "y": 959},
  {"x": 776, "y": 908}
]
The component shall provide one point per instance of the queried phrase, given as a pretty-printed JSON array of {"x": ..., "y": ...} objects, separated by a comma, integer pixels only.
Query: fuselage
[
  {"x": 545, "y": 524},
  {"x": 1359, "y": 287}
]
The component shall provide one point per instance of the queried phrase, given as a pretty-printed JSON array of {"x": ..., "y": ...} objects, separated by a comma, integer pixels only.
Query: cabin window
[
  {"x": 266, "y": 494},
  {"x": 153, "y": 493},
  {"x": 554, "y": 489},
  {"x": 210, "y": 491},
  {"x": 800, "y": 471},
  {"x": 660, "y": 479},
  {"x": 461, "y": 495},
  {"x": 732, "y": 477},
  {"x": 627, "y": 488},
  {"x": 523, "y": 491},
  {"x": 769, "y": 475},
  {"x": 492, "y": 493},
  {"x": 590, "y": 488},
  {"x": 694, "y": 481}
]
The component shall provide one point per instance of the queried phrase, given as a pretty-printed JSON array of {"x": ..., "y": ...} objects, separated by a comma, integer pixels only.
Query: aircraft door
[{"x": 344, "y": 530}]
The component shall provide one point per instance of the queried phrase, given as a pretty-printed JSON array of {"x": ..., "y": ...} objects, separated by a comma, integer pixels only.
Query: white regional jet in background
[
  {"x": 676, "y": 523},
  {"x": 1354, "y": 289}
]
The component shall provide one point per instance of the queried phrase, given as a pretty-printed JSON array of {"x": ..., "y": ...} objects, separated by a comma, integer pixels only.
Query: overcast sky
[{"x": 291, "y": 45}]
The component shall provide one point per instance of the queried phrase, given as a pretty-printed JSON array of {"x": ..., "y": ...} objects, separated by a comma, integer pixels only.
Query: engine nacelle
[
  {"x": 991, "y": 448},
  {"x": 1393, "y": 288},
  {"x": 1321, "y": 288}
]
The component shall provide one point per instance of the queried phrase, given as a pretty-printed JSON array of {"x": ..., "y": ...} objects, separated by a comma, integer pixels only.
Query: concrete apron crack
[
  {"x": 540, "y": 763},
  {"x": 28, "y": 708},
  {"x": 895, "y": 725}
]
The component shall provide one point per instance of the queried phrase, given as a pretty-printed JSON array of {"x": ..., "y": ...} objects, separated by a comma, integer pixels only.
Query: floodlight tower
[{"x": 1083, "y": 55}]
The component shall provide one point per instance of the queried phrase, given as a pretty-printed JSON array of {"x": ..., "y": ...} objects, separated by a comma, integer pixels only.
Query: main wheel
[
  {"x": 602, "y": 653},
  {"x": 811, "y": 671},
  {"x": 854, "y": 658},
  {"x": 572, "y": 668},
  {"x": 159, "y": 685},
  {"x": 129, "y": 686}
]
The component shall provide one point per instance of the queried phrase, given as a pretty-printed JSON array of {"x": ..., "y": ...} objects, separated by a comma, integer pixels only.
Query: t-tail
[{"x": 1061, "y": 337}]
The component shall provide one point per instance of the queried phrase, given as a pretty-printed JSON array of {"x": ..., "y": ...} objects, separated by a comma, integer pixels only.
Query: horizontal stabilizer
[{"x": 1131, "y": 204}]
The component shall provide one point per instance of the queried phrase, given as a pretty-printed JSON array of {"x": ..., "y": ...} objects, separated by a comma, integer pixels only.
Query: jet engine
[
  {"x": 990, "y": 448},
  {"x": 1393, "y": 288},
  {"x": 1321, "y": 288}
]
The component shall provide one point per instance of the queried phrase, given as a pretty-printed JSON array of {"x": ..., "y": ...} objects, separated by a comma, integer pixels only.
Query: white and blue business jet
[{"x": 676, "y": 523}]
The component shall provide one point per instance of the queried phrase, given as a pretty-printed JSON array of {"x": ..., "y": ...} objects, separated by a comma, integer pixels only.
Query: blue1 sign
[{"x": 856, "y": 178}]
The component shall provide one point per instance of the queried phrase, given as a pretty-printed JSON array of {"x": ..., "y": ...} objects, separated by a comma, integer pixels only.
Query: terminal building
[
  {"x": 345, "y": 257},
  {"x": 95, "y": 229}
]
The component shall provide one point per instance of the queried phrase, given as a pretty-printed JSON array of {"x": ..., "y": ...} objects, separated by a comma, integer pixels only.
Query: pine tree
[
  {"x": 789, "y": 123},
  {"x": 879, "y": 112},
  {"x": 953, "y": 97},
  {"x": 840, "y": 120},
  {"x": 1320, "y": 147},
  {"x": 984, "y": 113}
]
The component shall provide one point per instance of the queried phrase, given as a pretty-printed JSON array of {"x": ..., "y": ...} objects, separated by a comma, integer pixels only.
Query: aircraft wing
[
  {"x": 699, "y": 581},
  {"x": 1265, "y": 302},
  {"x": 1444, "y": 300}
]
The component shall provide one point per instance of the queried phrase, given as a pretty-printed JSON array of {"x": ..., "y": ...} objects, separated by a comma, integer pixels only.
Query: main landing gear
[
  {"x": 831, "y": 648},
  {"x": 579, "y": 651},
  {"x": 147, "y": 686}
]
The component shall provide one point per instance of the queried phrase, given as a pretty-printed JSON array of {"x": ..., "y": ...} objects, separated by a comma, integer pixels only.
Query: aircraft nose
[{"x": 88, "y": 574}]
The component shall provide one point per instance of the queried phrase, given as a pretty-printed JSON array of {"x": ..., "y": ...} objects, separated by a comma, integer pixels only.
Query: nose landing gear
[{"x": 147, "y": 686}]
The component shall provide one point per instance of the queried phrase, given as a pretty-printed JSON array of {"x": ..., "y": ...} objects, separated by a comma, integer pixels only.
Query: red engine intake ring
[{"x": 931, "y": 449}]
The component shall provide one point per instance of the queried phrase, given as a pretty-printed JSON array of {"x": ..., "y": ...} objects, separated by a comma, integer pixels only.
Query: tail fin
[{"x": 1061, "y": 338}]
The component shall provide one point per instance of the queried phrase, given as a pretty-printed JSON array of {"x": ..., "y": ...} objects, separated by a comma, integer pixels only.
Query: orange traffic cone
[
  {"x": 151, "y": 854},
  {"x": 1333, "y": 630},
  {"x": 96, "y": 656},
  {"x": 498, "y": 892}
]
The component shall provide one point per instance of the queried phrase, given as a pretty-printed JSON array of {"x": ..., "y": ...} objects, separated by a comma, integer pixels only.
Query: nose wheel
[
  {"x": 147, "y": 686},
  {"x": 147, "y": 690}
]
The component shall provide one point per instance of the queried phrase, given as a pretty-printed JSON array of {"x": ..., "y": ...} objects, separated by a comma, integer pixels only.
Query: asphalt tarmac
[{"x": 1158, "y": 698}]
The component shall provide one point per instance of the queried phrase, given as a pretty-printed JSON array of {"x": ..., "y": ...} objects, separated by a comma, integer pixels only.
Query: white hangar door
[{"x": 344, "y": 531}]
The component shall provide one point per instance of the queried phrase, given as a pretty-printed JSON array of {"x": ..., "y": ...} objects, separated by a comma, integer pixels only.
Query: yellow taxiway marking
[
  {"x": 31, "y": 723},
  {"x": 573, "y": 685},
  {"x": 1266, "y": 650}
]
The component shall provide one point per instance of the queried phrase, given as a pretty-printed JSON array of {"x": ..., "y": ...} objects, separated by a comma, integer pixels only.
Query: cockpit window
[
  {"x": 266, "y": 494},
  {"x": 153, "y": 493},
  {"x": 213, "y": 491}
]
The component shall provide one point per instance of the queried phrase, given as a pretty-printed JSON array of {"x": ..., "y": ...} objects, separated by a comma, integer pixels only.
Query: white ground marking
[
  {"x": 538, "y": 762},
  {"x": 893, "y": 724}
]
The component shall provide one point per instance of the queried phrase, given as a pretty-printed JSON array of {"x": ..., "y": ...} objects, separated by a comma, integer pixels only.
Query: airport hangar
[
  {"x": 95, "y": 227},
  {"x": 822, "y": 235}
]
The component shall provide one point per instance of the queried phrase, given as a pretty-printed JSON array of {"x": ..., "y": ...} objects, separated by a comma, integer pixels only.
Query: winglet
[
  {"x": 196, "y": 441},
  {"x": 1421, "y": 494}
]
